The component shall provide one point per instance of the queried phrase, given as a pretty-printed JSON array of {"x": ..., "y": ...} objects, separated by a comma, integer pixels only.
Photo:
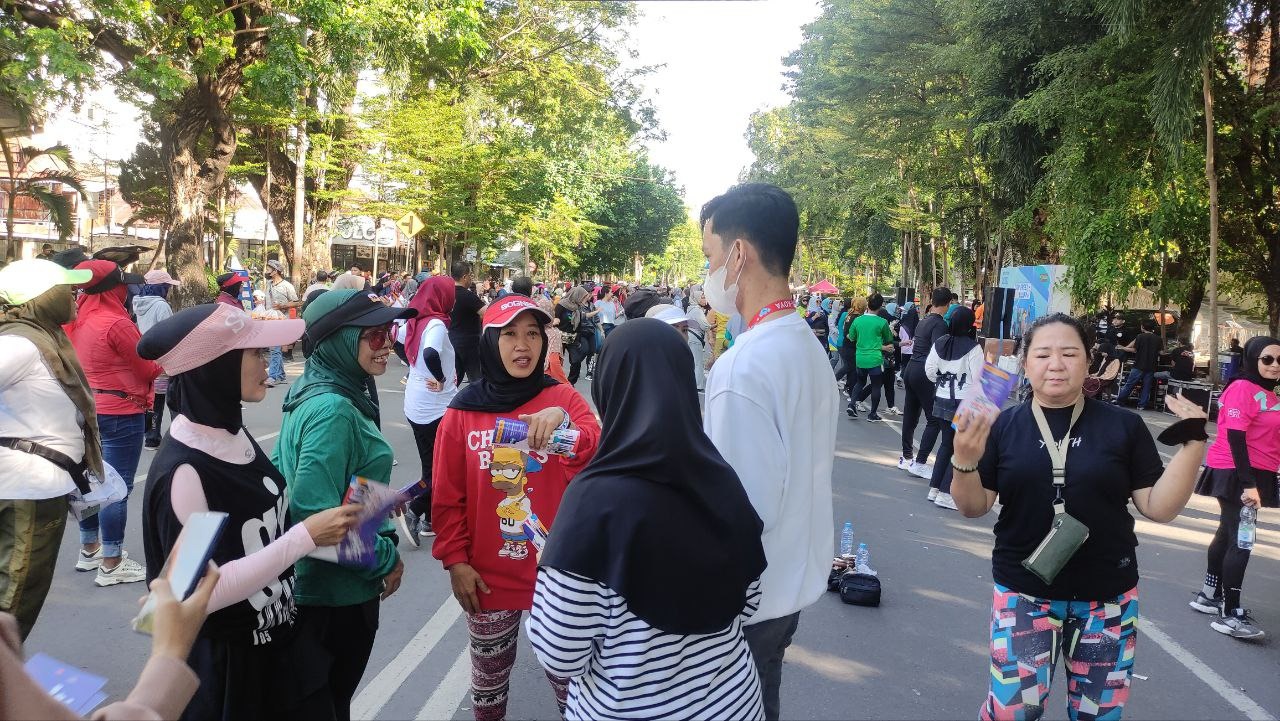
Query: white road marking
[
  {"x": 267, "y": 437},
  {"x": 374, "y": 696},
  {"x": 451, "y": 692},
  {"x": 1211, "y": 678}
]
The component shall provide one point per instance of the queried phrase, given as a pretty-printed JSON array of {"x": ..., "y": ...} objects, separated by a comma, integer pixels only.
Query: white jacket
[
  {"x": 34, "y": 406},
  {"x": 150, "y": 309},
  {"x": 954, "y": 379}
]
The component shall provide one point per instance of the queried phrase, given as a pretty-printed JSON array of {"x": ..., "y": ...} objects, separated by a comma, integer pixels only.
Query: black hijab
[
  {"x": 658, "y": 515},
  {"x": 910, "y": 319},
  {"x": 961, "y": 336},
  {"x": 498, "y": 391},
  {"x": 210, "y": 394},
  {"x": 1252, "y": 352}
]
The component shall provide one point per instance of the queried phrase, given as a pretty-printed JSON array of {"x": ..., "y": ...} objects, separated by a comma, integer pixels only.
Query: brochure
[
  {"x": 377, "y": 499},
  {"x": 994, "y": 386}
]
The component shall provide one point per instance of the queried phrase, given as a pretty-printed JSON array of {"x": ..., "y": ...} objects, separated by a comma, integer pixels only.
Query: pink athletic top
[{"x": 1246, "y": 406}]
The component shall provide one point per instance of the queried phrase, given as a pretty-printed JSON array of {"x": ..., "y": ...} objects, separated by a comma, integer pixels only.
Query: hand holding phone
[
  {"x": 187, "y": 563},
  {"x": 175, "y": 624}
]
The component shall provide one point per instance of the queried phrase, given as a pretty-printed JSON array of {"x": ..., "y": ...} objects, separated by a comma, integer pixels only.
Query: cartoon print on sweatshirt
[{"x": 509, "y": 469}]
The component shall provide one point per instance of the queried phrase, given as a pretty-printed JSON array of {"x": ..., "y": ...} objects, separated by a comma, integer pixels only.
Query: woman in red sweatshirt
[{"x": 484, "y": 496}]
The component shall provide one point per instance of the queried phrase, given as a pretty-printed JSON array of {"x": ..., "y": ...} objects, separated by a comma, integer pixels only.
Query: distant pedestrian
[
  {"x": 464, "y": 323},
  {"x": 954, "y": 366},
  {"x": 920, "y": 391},
  {"x": 281, "y": 296},
  {"x": 771, "y": 410},
  {"x": 151, "y": 306},
  {"x": 1146, "y": 361},
  {"x": 870, "y": 338},
  {"x": 699, "y": 334},
  {"x": 106, "y": 340},
  {"x": 655, "y": 561}
]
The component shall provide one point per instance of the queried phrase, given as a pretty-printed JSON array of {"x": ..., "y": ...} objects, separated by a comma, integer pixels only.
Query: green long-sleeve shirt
[
  {"x": 323, "y": 442},
  {"x": 869, "y": 333}
]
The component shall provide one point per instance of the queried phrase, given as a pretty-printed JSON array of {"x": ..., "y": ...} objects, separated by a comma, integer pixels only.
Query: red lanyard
[{"x": 768, "y": 310}]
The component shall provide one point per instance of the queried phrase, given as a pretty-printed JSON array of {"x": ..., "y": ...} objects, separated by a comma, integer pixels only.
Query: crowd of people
[{"x": 659, "y": 554}]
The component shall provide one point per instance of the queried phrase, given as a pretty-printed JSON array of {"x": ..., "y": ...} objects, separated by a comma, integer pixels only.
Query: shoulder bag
[{"x": 1066, "y": 534}]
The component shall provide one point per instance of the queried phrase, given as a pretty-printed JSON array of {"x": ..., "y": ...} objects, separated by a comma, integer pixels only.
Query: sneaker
[
  {"x": 128, "y": 571},
  {"x": 920, "y": 470},
  {"x": 270, "y": 383},
  {"x": 903, "y": 463},
  {"x": 851, "y": 413},
  {"x": 863, "y": 406},
  {"x": 89, "y": 561},
  {"x": 408, "y": 523},
  {"x": 895, "y": 410},
  {"x": 425, "y": 530},
  {"x": 933, "y": 493},
  {"x": 874, "y": 418},
  {"x": 1205, "y": 604},
  {"x": 944, "y": 500},
  {"x": 1238, "y": 624}
]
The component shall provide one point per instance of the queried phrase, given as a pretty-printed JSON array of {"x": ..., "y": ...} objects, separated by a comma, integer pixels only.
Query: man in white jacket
[{"x": 771, "y": 410}]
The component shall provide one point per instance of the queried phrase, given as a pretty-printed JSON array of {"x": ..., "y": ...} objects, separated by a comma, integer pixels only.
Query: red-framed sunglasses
[{"x": 378, "y": 337}]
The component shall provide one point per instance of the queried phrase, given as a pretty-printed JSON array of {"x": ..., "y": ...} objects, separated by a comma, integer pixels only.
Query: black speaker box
[{"x": 997, "y": 316}]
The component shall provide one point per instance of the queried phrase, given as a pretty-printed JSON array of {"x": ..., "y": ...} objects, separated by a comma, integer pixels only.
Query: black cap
[
  {"x": 362, "y": 310},
  {"x": 121, "y": 254},
  {"x": 70, "y": 258}
]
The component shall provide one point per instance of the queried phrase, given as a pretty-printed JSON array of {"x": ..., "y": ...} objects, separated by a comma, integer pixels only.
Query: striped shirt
[{"x": 622, "y": 668}]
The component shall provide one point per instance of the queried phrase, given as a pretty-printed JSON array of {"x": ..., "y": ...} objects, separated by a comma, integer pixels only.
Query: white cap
[
  {"x": 22, "y": 280},
  {"x": 667, "y": 313}
]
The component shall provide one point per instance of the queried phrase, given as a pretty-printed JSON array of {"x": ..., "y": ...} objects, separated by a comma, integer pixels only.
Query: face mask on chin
[{"x": 722, "y": 300}]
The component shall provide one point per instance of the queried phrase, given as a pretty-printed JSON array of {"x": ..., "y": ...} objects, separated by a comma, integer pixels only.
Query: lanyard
[
  {"x": 770, "y": 309},
  {"x": 1057, "y": 449}
]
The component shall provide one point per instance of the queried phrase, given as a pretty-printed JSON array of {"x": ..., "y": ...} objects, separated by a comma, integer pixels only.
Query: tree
[
  {"x": 43, "y": 186},
  {"x": 636, "y": 214}
]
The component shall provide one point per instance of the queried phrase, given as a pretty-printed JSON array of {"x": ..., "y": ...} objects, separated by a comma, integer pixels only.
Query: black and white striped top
[{"x": 622, "y": 668}]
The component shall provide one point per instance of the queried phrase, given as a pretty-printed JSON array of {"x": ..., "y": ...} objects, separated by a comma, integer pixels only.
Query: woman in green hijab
[{"x": 328, "y": 435}]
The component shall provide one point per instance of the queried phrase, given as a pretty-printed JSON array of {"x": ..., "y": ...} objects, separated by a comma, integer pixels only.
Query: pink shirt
[{"x": 1245, "y": 406}]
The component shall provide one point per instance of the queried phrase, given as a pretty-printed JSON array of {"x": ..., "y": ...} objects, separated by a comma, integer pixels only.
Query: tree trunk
[
  {"x": 1189, "y": 310},
  {"x": 1211, "y": 174}
]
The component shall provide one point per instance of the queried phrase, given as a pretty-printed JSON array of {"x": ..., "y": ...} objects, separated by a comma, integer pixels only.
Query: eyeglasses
[
  {"x": 1267, "y": 360},
  {"x": 377, "y": 337}
]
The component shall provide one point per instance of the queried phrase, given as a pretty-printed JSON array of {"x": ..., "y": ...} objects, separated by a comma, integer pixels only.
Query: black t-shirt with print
[
  {"x": 464, "y": 320},
  {"x": 1112, "y": 454}
]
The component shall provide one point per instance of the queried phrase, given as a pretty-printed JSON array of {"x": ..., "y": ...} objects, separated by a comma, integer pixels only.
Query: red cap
[
  {"x": 501, "y": 312},
  {"x": 107, "y": 275}
]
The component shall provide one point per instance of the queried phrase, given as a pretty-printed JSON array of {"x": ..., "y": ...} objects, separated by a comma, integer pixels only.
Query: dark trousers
[
  {"x": 466, "y": 357},
  {"x": 919, "y": 392},
  {"x": 942, "y": 464},
  {"x": 424, "y": 437},
  {"x": 888, "y": 378},
  {"x": 768, "y": 641},
  {"x": 30, "y": 534},
  {"x": 346, "y": 633},
  {"x": 1227, "y": 561},
  {"x": 866, "y": 383}
]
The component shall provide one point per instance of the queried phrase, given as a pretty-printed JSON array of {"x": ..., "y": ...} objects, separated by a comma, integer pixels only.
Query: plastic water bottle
[
  {"x": 1248, "y": 527},
  {"x": 862, "y": 560},
  {"x": 846, "y": 540}
]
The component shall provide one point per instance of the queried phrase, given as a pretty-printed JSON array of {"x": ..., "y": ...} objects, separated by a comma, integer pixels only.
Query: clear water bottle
[
  {"x": 846, "y": 540},
  {"x": 1248, "y": 527},
  {"x": 862, "y": 560}
]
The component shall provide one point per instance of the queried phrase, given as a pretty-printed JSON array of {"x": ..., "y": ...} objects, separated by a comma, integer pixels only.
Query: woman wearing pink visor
[{"x": 246, "y": 656}]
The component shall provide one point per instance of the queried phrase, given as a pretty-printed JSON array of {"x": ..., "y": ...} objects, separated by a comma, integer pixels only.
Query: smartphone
[{"x": 187, "y": 561}]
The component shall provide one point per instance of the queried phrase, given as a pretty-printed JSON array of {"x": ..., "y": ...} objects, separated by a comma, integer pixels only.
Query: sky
[{"x": 722, "y": 61}]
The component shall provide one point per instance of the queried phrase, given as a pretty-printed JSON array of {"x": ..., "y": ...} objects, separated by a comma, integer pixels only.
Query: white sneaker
[
  {"x": 921, "y": 470},
  {"x": 944, "y": 500},
  {"x": 903, "y": 464},
  {"x": 933, "y": 493},
  {"x": 89, "y": 561},
  {"x": 128, "y": 571},
  {"x": 863, "y": 407},
  {"x": 895, "y": 410}
]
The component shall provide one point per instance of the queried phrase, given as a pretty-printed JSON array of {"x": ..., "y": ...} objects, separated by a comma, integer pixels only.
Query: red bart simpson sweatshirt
[{"x": 482, "y": 494}]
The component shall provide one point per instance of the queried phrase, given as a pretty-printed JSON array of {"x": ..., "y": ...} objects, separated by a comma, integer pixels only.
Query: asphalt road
[{"x": 921, "y": 655}]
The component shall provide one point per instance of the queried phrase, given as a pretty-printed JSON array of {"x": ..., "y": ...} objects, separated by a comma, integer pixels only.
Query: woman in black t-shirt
[
  {"x": 250, "y": 661},
  {"x": 1110, "y": 459}
]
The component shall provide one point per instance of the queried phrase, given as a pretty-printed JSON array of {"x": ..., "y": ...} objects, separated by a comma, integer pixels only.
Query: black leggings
[
  {"x": 941, "y": 479},
  {"x": 1227, "y": 561},
  {"x": 424, "y": 436},
  {"x": 889, "y": 378}
]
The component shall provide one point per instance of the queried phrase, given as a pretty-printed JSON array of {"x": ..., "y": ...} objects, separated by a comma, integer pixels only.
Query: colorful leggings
[
  {"x": 493, "y": 654},
  {"x": 1028, "y": 635}
]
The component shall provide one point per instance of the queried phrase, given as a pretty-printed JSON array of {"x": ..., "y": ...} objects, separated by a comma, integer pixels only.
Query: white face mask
[{"x": 723, "y": 300}]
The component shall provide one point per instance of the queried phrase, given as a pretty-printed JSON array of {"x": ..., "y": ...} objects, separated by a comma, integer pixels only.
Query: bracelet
[
  {"x": 962, "y": 469},
  {"x": 564, "y": 425}
]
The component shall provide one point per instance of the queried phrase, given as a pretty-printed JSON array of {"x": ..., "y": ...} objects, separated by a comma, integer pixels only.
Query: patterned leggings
[
  {"x": 1029, "y": 634},
  {"x": 493, "y": 654}
]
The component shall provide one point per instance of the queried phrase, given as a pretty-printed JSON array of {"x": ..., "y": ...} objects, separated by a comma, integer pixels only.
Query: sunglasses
[
  {"x": 378, "y": 337},
  {"x": 1267, "y": 360}
]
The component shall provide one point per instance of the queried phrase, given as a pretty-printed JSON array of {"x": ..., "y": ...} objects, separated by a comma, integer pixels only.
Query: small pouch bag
[{"x": 1066, "y": 534}]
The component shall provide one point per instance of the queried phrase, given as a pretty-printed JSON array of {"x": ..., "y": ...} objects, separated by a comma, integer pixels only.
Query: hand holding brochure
[
  {"x": 994, "y": 386},
  {"x": 376, "y": 499}
]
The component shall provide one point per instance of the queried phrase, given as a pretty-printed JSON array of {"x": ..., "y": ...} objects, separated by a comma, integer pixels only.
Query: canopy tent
[{"x": 824, "y": 287}]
